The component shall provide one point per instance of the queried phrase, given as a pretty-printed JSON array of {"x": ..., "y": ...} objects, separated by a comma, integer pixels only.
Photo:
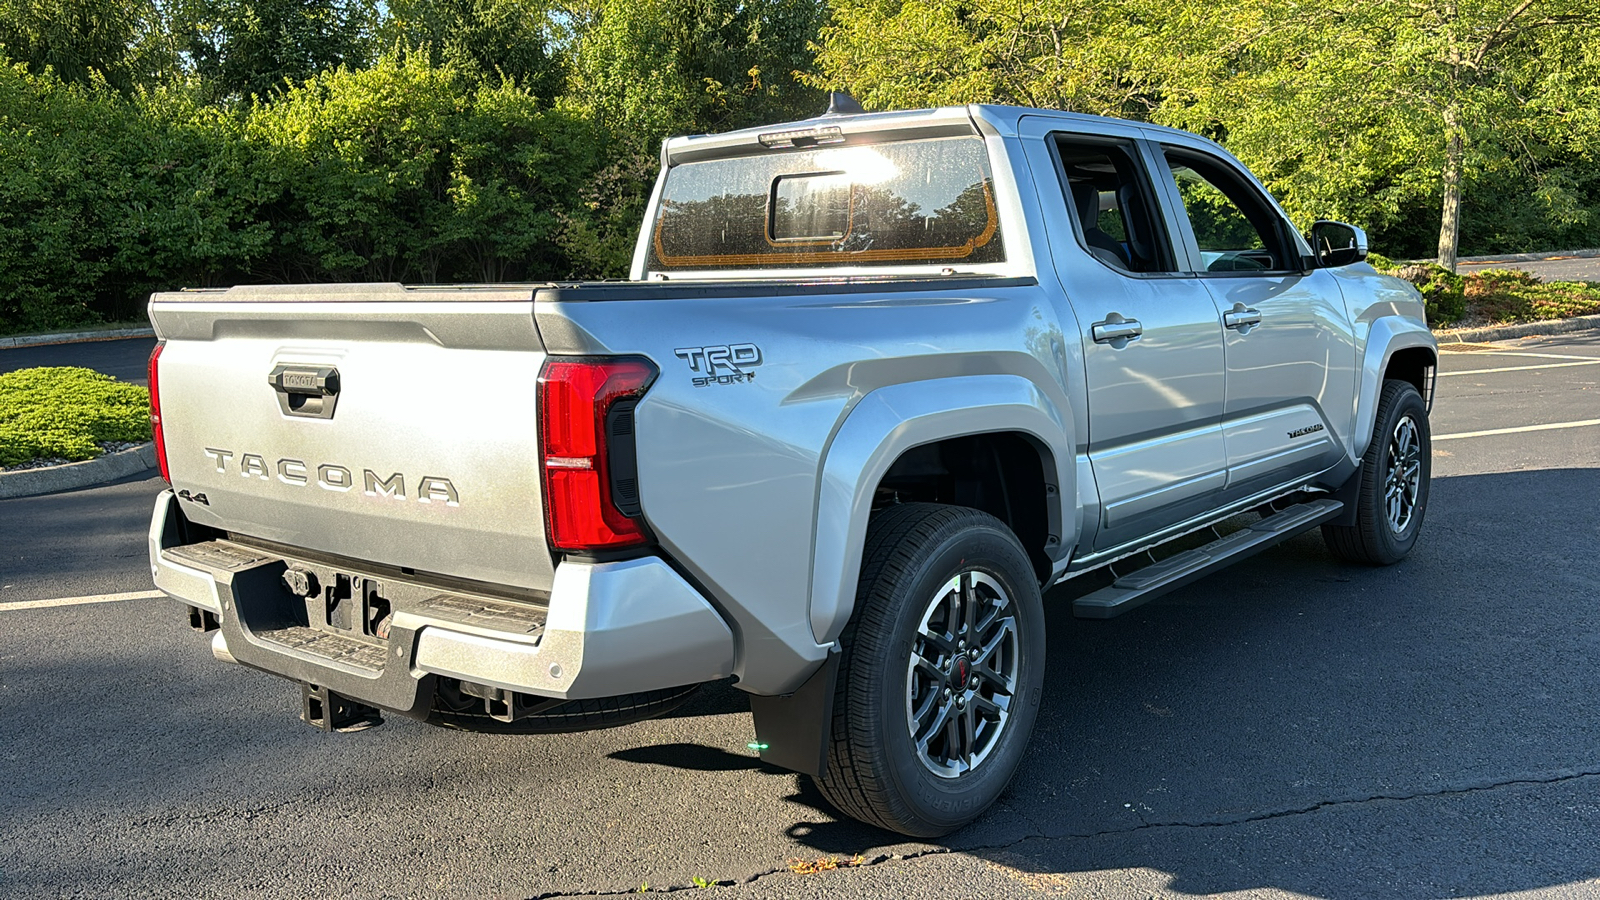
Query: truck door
[
  {"x": 1152, "y": 337},
  {"x": 1290, "y": 352}
]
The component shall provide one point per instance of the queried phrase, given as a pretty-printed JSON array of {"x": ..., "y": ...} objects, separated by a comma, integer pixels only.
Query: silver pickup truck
[{"x": 876, "y": 383}]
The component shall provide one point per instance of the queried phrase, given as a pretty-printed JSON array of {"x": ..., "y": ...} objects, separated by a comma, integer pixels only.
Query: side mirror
[{"x": 1337, "y": 244}]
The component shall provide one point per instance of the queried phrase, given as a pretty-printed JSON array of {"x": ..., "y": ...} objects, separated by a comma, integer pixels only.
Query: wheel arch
[
  {"x": 1397, "y": 347},
  {"x": 997, "y": 414}
]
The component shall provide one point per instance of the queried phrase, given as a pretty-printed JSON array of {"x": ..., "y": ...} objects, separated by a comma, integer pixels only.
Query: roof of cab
[{"x": 944, "y": 121}]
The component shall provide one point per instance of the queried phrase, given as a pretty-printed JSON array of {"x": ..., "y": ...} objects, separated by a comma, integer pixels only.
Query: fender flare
[
  {"x": 1388, "y": 336},
  {"x": 891, "y": 420}
]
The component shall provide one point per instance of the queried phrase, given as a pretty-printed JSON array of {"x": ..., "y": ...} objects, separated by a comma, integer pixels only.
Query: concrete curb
[
  {"x": 1505, "y": 257},
  {"x": 1529, "y": 257},
  {"x": 74, "y": 337},
  {"x": 1526, "y": 329},
  {"x": 50, "y": 480}
]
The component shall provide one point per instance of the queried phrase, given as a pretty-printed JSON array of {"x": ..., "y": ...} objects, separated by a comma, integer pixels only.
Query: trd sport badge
[{"x": 731, "y": 364}]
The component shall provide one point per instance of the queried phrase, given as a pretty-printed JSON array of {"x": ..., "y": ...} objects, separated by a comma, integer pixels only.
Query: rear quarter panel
[{"x": 730, "y": 473}]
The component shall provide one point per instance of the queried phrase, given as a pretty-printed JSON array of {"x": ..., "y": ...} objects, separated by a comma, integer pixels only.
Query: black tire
[
  {"x": 876, "y": 771},
  {"x": 1380, "y": 537},
  {"x": 452, "y": 710}
]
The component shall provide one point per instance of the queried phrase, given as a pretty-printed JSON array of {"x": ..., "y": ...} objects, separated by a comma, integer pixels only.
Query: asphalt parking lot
[
  {"x": 1553, "y": 268},
  {"x": 126, "y": 359},
  {"x": 1290, "y": 727}
]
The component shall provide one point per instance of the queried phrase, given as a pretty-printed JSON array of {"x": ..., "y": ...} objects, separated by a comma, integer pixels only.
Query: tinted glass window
[
  {"x": 812, "y": 207},
  {"x": 1234, "y": 228},
  {"x": 906, "y": 203},
  {"x": 1106, "y": 190}
]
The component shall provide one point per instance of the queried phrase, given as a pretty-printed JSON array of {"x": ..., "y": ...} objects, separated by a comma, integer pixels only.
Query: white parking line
[
  {"x": 1559, "y": 365},
  {"x": 1553, "y": 426},
  {"x": 1530, "y": 355},
  {"x": 79, "y": 601}
]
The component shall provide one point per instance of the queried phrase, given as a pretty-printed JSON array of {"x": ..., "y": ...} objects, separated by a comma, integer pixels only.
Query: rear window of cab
[{"x": 925, "y": 202}]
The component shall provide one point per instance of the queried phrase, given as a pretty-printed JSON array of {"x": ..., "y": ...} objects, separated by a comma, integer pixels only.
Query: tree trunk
[{"x": 1450, "y": 221}]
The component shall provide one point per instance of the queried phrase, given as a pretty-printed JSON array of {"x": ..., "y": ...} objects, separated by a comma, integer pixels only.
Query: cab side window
[
  {"x": 1109, "y": 197},
  {"x": 1235, "y": 229}
]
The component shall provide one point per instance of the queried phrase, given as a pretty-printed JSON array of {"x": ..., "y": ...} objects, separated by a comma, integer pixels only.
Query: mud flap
[
  {"x": 1349, "y": 494},
  {"x": 792, "y": 731}
]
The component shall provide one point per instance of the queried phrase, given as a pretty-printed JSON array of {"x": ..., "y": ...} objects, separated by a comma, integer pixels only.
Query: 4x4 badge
[{"x": 729, "y": 364}]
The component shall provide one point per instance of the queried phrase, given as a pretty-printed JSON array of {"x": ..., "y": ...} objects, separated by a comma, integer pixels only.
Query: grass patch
[
  {"x": 1497, "y": 296},
  {"x": 65, "y": 412},
  {"x": 1506, "y": 295}
]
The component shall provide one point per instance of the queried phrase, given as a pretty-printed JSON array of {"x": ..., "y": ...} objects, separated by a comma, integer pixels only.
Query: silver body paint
[{"x": 776, "y": 412}]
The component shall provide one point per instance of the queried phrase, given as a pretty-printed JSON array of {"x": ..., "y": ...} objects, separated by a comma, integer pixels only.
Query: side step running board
[{"x": 1138, "y": 588}]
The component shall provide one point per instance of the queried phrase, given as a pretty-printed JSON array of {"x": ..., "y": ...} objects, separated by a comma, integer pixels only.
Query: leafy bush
[
  {"x": 1505, "y": 295},
  {"x": 405, "y": 171},
  {"x": 1443, "y": 291},
  {"x": 64, "y": 411},
  {"x": 409, "y": 171}
]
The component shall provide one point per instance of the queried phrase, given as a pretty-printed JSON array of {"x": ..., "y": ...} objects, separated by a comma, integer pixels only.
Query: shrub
[
  {"x": 405, "y": 171},
  {"x": 1443, "y": 292},
  {"x": 64, "y": 411},
  {"x": 1505, "y": 295}
]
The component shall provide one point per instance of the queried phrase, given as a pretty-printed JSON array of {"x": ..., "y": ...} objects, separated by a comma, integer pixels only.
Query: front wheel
[
  {"x": 941, "y": 673},
  {"x": 1394, "y": 482}
]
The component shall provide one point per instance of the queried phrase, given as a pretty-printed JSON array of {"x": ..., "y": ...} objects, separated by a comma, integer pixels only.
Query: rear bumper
[{"x": 608, "y": 629}]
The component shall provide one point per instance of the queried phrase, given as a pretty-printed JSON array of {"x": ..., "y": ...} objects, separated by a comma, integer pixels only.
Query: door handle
[
  {"x": 1241, "y": 318},
  {"x": 1116, "y": 331}
]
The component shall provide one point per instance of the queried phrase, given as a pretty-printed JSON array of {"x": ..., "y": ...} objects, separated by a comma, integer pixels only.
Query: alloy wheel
[{"x": 962, "y": 676}]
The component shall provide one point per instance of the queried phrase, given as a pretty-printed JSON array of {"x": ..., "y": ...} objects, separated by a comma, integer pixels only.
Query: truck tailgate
[{"x": 377, "y": 422}]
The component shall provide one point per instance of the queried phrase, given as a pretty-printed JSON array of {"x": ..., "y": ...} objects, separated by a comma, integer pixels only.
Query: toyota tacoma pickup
[{"x": 877, "y": 382}]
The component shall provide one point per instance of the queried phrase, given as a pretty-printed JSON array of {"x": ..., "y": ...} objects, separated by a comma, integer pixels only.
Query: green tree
[
  {"x": 245, "y": 48},
  {"x": 105, "y": 198},
  {"x": 486, "y": 39},
  {"x": 655, "y": 67},
  {"x": 1107, "y": 58},
  {"x": 53, "y": 251},
  {"x": 120, "y": 41},
  {"x": 1368, "y": 113},
  {"x": 1373, "y": 109},
  {"x": 645, "y": 69}
]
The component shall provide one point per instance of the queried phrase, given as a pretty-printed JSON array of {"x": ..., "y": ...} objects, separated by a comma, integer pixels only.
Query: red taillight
[
  {"x": 155, "y": 411},
  {"x": 577, "y": 396}
]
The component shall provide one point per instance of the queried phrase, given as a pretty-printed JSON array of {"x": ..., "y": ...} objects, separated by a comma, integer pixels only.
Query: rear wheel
[
  {"x": 941, "y": 672},
  {"x": 1394, "y": 482}
]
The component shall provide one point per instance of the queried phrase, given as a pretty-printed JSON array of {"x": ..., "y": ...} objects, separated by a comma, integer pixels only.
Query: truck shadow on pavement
[
  {"x": 695, "y": 757},
  {"x": 1429, "y": 729}
]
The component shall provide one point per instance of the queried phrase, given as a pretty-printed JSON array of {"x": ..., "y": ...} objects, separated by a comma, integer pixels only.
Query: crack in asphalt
[
  {"x": 1330, "y": 804},
  {"x": 1039, "y": 834}
]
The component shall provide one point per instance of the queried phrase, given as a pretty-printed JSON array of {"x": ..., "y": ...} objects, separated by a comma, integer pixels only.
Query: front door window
[{"x": 1233, "y": 228}]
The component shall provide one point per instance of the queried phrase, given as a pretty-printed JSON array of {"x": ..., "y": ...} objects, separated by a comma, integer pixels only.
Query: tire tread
[
  {"x": 1360, "y": 543},
  {"x": 888, "y": 559}
]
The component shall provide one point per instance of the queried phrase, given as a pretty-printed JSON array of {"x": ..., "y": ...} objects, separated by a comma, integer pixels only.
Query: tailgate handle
[{"x": 309, "y": 391}]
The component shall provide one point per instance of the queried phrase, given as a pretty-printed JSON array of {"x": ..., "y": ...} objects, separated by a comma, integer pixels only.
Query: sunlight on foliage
[{"x": 63, "y": 411}]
